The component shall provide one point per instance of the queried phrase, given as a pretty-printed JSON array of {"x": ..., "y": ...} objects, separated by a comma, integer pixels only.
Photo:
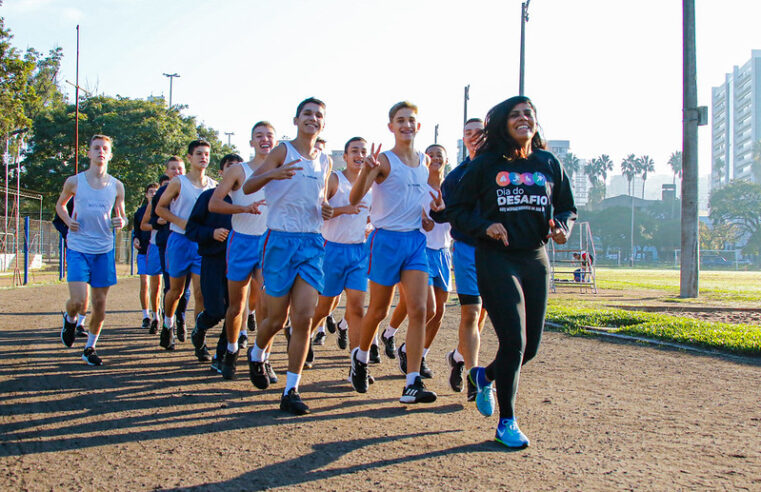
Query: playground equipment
[{"x": 572, "y": 264}]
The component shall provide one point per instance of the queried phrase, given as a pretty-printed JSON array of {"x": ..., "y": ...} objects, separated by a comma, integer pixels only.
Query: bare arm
[
  {"x": 374, "y": 167},
  {"x": 120, "y": 220},
  {"x": 162, "y": 208},
  {"x": 217, "y": 204},
  {"x": 145, "y": 224},
  {"x": 271, "y": 168},
  {"x": 69, "y": 190}
]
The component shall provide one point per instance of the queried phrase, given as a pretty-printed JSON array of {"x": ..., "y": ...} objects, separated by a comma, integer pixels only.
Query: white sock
[
  {"x": 411, "y": 377},
  {"x": 343, "y": 325},
  {"x": 363, "y": 356},
  {"x": 168, "y": 321},
  {"x": 244, "y": 333},
  {"x": 457, "y": 356},
  {"x": 375, "y": 339},
  {"x": 404, "y": 348},
  {"x": 390, "y": 332},
  {"x": 321, "y": 329},
  {"x": 91, "y": 340},
  {"x": 81, "y": 319},
  {"x": 146, "y": 313},
  {"x": 425, "y": 352},
  {"x": 291, "y": 381},
  {"x": 232, "y": 347},
  {"x": 257, "y": 354},
  {"x": 70, "y": 319},
  {"x": 266, "y": 356}
]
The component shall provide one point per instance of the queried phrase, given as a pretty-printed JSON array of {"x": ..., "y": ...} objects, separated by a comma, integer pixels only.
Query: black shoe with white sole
[
  {"x": 91, "y": 357},
  {"x": 416, "y": 393}
]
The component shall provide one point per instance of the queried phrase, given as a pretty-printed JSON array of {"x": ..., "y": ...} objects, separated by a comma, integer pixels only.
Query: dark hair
[
  {"x": 261, "y": 123},
  {"x": 151, "y": 185},
  {"x": 435, "y": 145},
  {"x": 352, "y": 139},
  {"x": 321, "y": 140},
  {"x": 200, "y": 142},
  {"x": 229, "y": 159},
  {"x": 163, "y": 178},
  {"x": 307, "y": 101},
  {"x": 473, "y": 120},
  {"x": 496, "y": 137}
]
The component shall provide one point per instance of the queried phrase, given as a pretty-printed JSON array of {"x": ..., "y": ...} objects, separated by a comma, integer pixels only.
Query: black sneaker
[
  {"x": 425, "y": 371},
  {"x": 91, "y": 357},
  {"x": 472, "y": 390},
  {"x": 257, "y": 372},
  {"x": 374, "y": 354},
  {"x": 243, "y": 342},
  {"x": 229, "y": 363},
  {"x": 402, "y": 359},
  {"x": 251, "y": 323},
  {"x": 198, "y": 337},
  {"x": 455, "y": 372},
  {"x": 146, "y": 323},
  {"x": 165, "y": 339},
  {"x": 271, "y": 374},
  {"x": 330, "y": 324},
  {"x": 319, "y": 338},
  {"x": 389, "y": 345},
  {"x": 343, "y": 338},
  {"x": 154, "y": 328},
  {"x": 416, "y": 393},
  {"x": 180, "y": 329},
  {"x": 309, "y": 362},
  {"x": 216, "y": 364},
  {"x": 68, "y": 332},
  {"x": 359, "y": 376},
  {"x": 291, "y": 403},
  {"x": 81, "y": 332},
  {"x": 203, "y": 354}
]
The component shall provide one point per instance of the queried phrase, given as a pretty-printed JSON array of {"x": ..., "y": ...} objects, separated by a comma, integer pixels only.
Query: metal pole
[
  {"x": 6, "y": 159},
  {"x": 171, "y": 79},
  {"x": 436, "y": 134},
  {"x": 524, "y": 19},
  {"x": 61, "y": 255},
  {"x": 689, "y": 269},
  {"x": 631, "y": 233},
  {"x": 465, "y": 111},
  {"x": 26, "y": 250},
  {"x": 229, "y": 134},
  {"x": 76, "y": 121}
]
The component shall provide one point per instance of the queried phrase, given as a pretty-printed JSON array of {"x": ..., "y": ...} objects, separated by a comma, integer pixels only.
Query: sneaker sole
[
  {"x": 410, "y": 400},
  {"x": 522, "y": 446}
]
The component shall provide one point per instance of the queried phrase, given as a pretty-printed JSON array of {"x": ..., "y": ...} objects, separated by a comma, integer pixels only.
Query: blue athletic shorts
[
  {"x": 345, "y": 267},
  {"x": 464, "y": 262},
  {"x": 141, "y": 264},
  {"x": 152, "y": 261},
  {"x": 182, "y": 256},
  {"x": 439, "y": 264},
  {"x": 286, "y": 255},
  {"x": 98, "y": 270},
  {"x": 392, "y": 252},
  {"x": 242, "y": 256}
]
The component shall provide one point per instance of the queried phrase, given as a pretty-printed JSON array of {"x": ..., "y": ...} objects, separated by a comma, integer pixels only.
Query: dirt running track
[{"x": 601, "y": 416}]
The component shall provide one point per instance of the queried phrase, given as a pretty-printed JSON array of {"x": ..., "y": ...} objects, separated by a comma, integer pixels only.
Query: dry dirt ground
[{"x": 601, "y": 416}]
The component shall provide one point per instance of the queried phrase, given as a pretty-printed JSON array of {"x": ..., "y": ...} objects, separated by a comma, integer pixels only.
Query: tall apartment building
[
  {"x": 579, "y": 182},
  {"x": 736, "y": 122}
]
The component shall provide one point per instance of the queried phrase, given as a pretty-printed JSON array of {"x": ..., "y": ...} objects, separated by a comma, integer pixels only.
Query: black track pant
[
  {"x": 514, "y": 287},
  {"x": 214, "y": 291}
]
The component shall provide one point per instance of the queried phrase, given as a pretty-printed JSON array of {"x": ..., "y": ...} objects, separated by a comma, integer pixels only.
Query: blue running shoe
[
  {"x": 510, "y": 435},
  {"x": 485, "y": 391}
]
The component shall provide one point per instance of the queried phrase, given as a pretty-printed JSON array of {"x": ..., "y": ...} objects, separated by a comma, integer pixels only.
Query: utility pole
[
  {"x": 436, "y": 134},
  {"x": 465, "y": 112},
  {"x": 691, "y": 118},
  {"x": 524, "y": 19},
  {"x": 171, "y": 79},
  {"x": 229, "y": 134}
]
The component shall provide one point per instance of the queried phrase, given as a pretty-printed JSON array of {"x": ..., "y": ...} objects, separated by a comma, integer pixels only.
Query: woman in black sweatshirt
[{"x": 514, "y": 197}]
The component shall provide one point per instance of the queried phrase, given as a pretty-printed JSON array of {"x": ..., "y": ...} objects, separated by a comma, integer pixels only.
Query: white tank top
[
  {"x": 346, "y": 228},
  {"x": 438, "y": 237},
  {"x": 397, "y": 201},
  {"x": 92, "y": 209},
  {"x": 153, "y": 236},
  {"x": 183, "y": 203},
  {"x": 295, "y": 205},
  {"x": 251, "y": 224}
]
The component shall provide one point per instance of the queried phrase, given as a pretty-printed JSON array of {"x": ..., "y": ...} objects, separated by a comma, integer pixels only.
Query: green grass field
[{"x": 717, "y": 285}]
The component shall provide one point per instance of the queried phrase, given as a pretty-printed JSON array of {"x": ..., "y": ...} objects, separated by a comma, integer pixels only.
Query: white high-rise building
[{"x": 736, "y": 122}]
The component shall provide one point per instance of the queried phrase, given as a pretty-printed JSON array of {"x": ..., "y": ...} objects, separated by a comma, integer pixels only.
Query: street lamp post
[
  {"x": 524, "y": 19},
  {"x": 171, "y": 79},
  {"x": 229, "y": 134}
]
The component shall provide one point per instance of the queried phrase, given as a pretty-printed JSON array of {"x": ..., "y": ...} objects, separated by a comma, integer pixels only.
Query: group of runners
[{"x": 274, "y": 245}]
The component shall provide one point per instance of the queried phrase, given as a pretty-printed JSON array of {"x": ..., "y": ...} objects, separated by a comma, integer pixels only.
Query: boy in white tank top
[
  {"x": 90, "y": 241},
  {"x": 295, "y": 175},
  {"x": 182, "y": 255},
  {"x": 397, "y": 247},
  {"x": 244, "y": 272}
]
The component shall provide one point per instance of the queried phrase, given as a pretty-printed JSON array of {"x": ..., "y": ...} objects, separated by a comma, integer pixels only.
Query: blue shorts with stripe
[
  {"x": 439, "y": 265},
  {"x": 287, "y": 255},
  {"x": 345, "y": 267},
  {"x": 152, "y": 261},
  {"x": 242, "y": 256},
  {"x": 392, "y": 252},
  {"x": 98, "y": 270},
  {"x": 182, "y": 256},
  {"x": 464, "y": 262}
]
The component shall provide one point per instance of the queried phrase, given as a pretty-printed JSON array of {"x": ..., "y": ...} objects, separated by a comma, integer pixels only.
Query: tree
[
  {"x": 571, "y": 163},
  {"x": 675, "y": 162},
  {"x": 629, "y": 169},
  {"x": 597, "y": 171},
  {"x": 145, "y": 134},
  {"x": 737, "y": 203},
  {"x": 16, "y": 93},
  {"x": 645, "y": 165},
  {"x": 717, "y": 237}
]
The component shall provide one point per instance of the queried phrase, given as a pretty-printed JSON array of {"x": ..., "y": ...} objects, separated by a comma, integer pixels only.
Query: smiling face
[
  {"x": 100, "y": 152},
  {"x": 521, "y": 123},
  {"x": 471, "y": 135},
  {"x": 404, "y": 124},
  {"x": 311, "y": 119},
  {"x": 199, "y": 159},
  {"x": 174, "y": 168},
  {"x": 355, "y": 154},
  {"x": 438, "y": 160},
  {"x": 263, "y": 139}
]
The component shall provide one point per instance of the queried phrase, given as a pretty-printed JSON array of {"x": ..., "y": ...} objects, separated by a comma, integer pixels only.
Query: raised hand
[
  {"x": 437, "y": 204},
  {"x": 498, "y": 232},
  {"x": 371, "y": 160},
  {"x": 286, "y": 171}
]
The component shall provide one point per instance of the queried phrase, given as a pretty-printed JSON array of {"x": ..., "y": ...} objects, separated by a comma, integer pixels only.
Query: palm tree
[
  {"x": 571, "y": 163},
  {"x": 675, "y": 161},
  {"x": 597, "y": 171},
  {"x": 629, "y": 169},
  {"x": 646, "y": 165}
]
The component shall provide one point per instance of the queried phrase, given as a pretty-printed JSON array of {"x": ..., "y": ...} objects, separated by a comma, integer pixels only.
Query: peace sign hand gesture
[
  {"x": 437, "y": 204},
  {"x": 371, "y": 161},
  {"x": 286, "y": 171}
]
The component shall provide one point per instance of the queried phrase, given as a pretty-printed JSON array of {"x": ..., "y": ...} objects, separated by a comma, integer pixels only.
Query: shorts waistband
[
  {"x": 247, "y": 236},
  {"x": 306, "y": 235},
  {"x": 343, "y": 245},
  {"x": 412, "y": 233}
]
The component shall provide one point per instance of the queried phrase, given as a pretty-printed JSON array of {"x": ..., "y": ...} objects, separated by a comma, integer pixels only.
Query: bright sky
[{"x": 606, "y": 75}]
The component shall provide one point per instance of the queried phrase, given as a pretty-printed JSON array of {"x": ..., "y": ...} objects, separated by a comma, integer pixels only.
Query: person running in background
[
  {"x": 514, "y": 198},
  {"x": 97, "y": 195},
  {"x": 141, "y": 241}
]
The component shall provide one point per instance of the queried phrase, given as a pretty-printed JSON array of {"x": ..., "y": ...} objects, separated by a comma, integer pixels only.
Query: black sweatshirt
[
  {"x": 522, "y": 195},
  {"x": 201, "y": 225},
  {"x": 137, "y": 233}
]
